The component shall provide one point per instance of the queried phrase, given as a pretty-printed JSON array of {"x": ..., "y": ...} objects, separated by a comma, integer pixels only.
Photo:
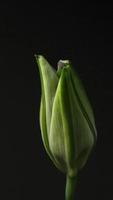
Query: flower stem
[{"x": 70, "y": 188}]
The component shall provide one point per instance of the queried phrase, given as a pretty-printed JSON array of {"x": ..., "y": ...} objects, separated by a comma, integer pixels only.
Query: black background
[{"x": 82, "y": 33}]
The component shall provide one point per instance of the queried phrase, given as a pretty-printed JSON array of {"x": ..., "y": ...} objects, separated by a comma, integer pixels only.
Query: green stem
[{"x": 70, "y": 188}]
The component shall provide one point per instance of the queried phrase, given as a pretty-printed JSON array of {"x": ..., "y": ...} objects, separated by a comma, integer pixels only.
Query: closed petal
[
  {"x": 84, "y": 102},
  {"x": 44, "y": 132},
  {"x": 71, "y": 138},
  {"x": 81, "y": 132},
  {"x": 49, "y": 81},
  {"x": 57, "y": 135},
  {"x": 61, "y": 139},
  {"x": 44, "y": 73}
]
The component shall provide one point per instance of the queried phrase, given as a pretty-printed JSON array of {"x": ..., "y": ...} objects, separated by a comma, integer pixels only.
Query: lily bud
[{"x": 66, "y": 117}]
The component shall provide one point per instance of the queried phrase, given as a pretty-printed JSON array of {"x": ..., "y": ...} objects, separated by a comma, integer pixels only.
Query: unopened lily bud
[{"x": 66, "y": 117}]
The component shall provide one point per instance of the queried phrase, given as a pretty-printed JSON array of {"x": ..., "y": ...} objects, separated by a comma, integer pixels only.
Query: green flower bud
[{"x": 66, "y": 117}]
